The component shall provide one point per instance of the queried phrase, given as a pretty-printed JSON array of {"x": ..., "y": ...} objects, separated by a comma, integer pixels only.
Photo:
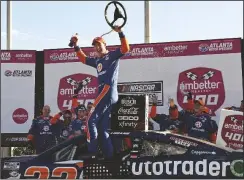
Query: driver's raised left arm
[{"x": 125, "y": 47}]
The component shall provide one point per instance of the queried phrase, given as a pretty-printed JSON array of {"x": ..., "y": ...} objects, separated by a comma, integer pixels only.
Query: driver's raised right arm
[
  {"x": 83, "y": 58},
  {"x": 80, "y": 54}
]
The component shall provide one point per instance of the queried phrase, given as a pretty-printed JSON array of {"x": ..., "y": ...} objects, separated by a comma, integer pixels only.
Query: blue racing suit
[
  {"x": 41, "y": 134},
  {"x": 200, "y": 126},
  {"x": 99, "y": 116}
]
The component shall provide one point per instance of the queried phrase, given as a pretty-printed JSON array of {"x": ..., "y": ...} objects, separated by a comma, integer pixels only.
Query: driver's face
[{"x": 100, "y": 48}]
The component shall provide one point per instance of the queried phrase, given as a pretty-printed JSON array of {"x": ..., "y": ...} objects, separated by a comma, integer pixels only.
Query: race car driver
[
  {"x": 107, "y": 65},
  {"x": 41, "y": 133}
]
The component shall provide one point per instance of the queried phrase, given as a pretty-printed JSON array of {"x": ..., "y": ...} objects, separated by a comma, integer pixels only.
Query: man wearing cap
[
  {"x": 107, "y": 66},
  {"x": 79, "y": 125},
  {"x": 196, "y": 121},
  {"x": 70, "y": 126}
]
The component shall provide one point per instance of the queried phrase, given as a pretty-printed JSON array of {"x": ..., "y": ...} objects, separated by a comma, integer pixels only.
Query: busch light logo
[
  {"x": 232, "y": 131},
  {"x": 67, "y": 85},
  {"x": 202, "y": 82}
]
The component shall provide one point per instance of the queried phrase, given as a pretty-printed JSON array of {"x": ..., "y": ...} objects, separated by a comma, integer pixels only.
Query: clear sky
[{"x": 49, "y": 25}]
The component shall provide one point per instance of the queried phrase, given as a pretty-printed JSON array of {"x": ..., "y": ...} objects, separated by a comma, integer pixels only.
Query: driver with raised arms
[{"x": 107, "y": 66}]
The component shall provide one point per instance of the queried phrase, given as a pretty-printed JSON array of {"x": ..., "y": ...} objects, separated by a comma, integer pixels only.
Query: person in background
[
  {"x": 78, "y": 125},
  {"x": 168, "y": 122},
  {"x": 62, "y": 128},
  {"x": 65, "y": 129},
  {"x": 196, "y": 120},
  {"x": 234, "y": 108},
  {"x": 41, "y": 134}
]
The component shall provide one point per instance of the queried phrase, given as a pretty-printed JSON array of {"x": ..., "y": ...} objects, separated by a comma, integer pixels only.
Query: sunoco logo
[
  {"x": 205, "y": 83},
  {"x": 188, "y": 168},
  {"x": 232, "y": 131},
  {"x": 66, "y": 91}
]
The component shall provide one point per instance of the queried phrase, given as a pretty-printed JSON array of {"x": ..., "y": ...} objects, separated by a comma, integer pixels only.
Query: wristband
[
  {"x": 77, "y": 48},
  {"x": 121, "y": 35}
]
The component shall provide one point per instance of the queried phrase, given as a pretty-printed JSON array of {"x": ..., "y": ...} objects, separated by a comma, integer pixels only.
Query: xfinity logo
[
  {"x": 201, "y": 168},
  {"x": 128, "y": 124}
]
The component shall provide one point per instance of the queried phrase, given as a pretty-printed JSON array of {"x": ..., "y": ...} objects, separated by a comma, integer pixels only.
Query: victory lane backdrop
[
  {"x": 202, "y": 67},
  {"x": 17, "y": 95}
]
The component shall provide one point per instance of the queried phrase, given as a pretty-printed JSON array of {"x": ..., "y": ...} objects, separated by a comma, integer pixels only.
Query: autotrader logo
[{"x": 201, "y": 168}]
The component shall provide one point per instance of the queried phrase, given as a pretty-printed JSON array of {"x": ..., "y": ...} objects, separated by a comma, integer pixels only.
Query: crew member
[
  {"x": 107, "y": 65},
  {"x": 41, "y": 133},
  {"x": 196, "y": 121}
]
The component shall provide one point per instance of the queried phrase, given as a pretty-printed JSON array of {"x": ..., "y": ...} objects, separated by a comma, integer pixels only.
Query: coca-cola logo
[
  {"x": 131, "y": 110},
  {"x": 202, "y": 82},
  {"x": 66, "y": 91},
  {"x": 232, "y": 131}
]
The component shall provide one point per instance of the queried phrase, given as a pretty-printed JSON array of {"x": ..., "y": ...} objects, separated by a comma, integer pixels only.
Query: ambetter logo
[
  {"x": 66, "y": 91},
  {"x": 205, "y": 83},
  {"x": 20, "y": 116},
  {"x": 232, "y": 131}
]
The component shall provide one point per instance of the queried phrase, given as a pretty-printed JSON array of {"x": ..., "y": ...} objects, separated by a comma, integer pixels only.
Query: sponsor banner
[
  {"x": 138, "y": 51},
  {"x": 230, "y": 132},
  {"x": 158, "y": 64},
  {"x": 14, "y": 139},
  {"x": 171, "y": 168},
  {"x": 202, "y": 82},
  {"x": 130, "y": 113},
  {"x": 153, "y": 88},
  {"x": 18, "y": 56},
  {"x": 18, "y": 92}
]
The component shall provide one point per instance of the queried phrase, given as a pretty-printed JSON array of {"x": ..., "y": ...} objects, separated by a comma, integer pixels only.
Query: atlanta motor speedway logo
[{"x": 202, "y": 82}]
